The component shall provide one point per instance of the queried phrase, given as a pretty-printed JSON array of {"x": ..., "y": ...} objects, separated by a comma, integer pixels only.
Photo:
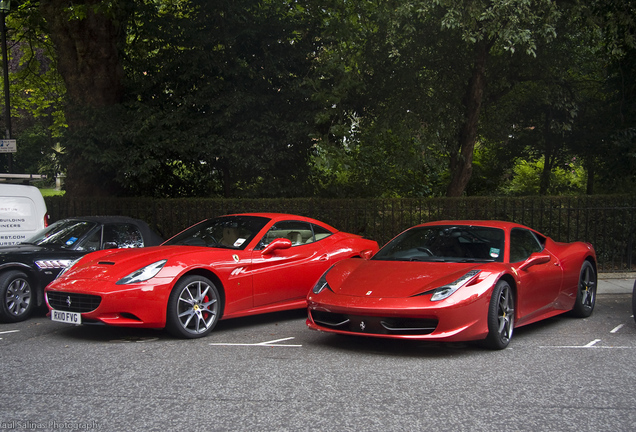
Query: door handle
[{"x": 324, "y": 257}]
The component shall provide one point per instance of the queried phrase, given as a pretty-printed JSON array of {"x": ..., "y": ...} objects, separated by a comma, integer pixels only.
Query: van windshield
[{"x": 64, "y": 233}]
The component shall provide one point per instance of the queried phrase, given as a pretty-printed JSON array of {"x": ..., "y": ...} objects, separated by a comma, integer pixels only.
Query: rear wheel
[
  {"x": 586, "y": 292},
  {"x": 501, "y": 316},
  {"x": 17, "y": 296},
  {"x": 193, "y": 307}
]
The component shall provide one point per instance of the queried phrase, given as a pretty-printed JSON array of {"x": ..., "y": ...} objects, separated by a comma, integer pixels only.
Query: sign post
[{"x": 8, "y": 146}]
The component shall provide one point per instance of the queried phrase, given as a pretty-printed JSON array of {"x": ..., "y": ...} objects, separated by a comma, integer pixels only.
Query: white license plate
[{"x": 66, "y": 317}]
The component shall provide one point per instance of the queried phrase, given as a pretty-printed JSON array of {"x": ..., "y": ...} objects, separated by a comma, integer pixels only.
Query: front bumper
[
  {"x": 141, "y": 305},
  {"x": 462, "y": 318}
]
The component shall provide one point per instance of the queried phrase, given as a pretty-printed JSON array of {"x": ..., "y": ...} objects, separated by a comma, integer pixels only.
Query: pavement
[{"x": 615, "y": 283}]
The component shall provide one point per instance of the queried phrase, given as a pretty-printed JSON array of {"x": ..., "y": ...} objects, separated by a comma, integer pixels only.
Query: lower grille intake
[
  {"x": 373, "y": 324},
  {"x": 71, "y": 302}
]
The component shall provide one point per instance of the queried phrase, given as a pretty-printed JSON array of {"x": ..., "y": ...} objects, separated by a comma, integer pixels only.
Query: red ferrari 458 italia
[
  {"x": 456, "y": 281},
  {"x": 225, "y": 267}
]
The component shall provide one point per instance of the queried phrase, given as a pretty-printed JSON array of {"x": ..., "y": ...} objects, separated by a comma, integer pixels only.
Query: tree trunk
[
  {"x": 89, "y": 62},
  {"x": 461, "y": 161},
  {"x": 548, "y": 156}
]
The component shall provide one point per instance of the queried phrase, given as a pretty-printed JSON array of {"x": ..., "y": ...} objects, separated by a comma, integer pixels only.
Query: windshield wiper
[
  {"x": 427, "y": 259},
  {"x": 471, "y": 260},
  {"x": 220, "y": 246}
]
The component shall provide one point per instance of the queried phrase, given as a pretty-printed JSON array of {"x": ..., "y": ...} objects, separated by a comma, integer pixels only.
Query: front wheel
[
  {"x": 501, "y": 316},
  {"x": 193, "y": 307},
  {"x": 17, "y": 296},
  {"x": 586, "y": 292}
]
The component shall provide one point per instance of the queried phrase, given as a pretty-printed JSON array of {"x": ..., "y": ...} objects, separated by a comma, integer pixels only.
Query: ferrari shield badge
[{"x": 236, "y": 258}]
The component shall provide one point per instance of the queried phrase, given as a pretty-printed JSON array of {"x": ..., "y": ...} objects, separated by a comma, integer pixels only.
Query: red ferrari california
[
  {"x": 226, "y": 267},
  {"x": 456, "y": 281}
]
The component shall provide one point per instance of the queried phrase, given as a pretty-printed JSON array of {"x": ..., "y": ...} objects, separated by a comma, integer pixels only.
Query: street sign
[{"x": 8, "y": 146}]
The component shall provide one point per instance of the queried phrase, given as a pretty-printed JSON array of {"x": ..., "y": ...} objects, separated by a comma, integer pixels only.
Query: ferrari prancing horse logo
[{"x": 362, "y": 325}]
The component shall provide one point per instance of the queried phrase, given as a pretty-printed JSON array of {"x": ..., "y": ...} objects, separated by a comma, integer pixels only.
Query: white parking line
[
  {"x": 8, "y": 331},
  {"x": 273, "y": 343},
  {"x": 617, "y": 328},
  {"x": 589, "y": 345}
]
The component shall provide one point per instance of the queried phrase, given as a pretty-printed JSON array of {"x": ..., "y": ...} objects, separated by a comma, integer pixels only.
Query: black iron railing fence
[{"x": 608, "y": 222}]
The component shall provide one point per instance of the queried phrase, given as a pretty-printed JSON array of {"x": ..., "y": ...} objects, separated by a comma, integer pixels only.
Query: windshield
[
  {"x": 445, "y": 243},
  {"x": 64, "y": 233},
  {"x": 232, "y": 232}
]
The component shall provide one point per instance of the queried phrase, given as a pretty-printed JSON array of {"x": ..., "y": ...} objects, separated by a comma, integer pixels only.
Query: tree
[
  {"x": 186, "y": 97},
  {"x": 216, "y": 101},
  {"x": 88, "y": 36},
  {"x": 36, "y": 93},
  {"x": 490, "y": 28}
]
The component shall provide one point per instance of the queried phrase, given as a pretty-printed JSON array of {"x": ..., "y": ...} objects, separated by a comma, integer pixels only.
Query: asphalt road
[{"x": 272, "y": 373}]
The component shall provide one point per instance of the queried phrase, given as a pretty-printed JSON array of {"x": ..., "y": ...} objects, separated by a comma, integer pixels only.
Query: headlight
[
  {"x": 444, "y": 292},
  {"x": 143, "y": 274},
  {"x": 54, "y": 264},
  {"x": 67, "y": 267},
  {"x": 322, "y": 283}
]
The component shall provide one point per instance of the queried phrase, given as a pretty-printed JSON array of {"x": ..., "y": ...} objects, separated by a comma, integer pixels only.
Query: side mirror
[
  {"x": 366, "y": 254},
  {"x": 535, "y": 259},
  {"x": 279, "y": 243},
  {"x": 110, "y": 245}
]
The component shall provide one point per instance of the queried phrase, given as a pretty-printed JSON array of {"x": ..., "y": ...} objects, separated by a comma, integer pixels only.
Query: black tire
[
  {"x": 194, "y": 307},
  {"x": 634, "y": 301},
  {"x": 585, "y": 292},
  {"x": 501, "y": 316},
  {"x": 18, "y": 296}
]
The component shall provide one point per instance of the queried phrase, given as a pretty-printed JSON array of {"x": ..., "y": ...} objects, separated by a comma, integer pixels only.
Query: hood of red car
[
  {"x": 117, "y": 263},
  {"x": 386, "y": 279}
]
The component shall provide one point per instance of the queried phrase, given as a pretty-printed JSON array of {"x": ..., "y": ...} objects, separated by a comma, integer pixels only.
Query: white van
[{"x": 22, "y": 213}]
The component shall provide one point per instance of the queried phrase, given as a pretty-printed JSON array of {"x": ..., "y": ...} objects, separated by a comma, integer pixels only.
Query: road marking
[
  {"x": 589, "y": 345},
  {"x": 617, "y": 328},
  {"x": 8, "y": 331},
  {"x": 273, "y": 343}
]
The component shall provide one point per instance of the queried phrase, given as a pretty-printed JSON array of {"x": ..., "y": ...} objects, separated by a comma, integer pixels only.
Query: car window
[
  {"x": 319, "y": 233},
  {"x": 445, "y": 243},
  {"x": 123, "y": 235},
  {"x": 297, "y": 232},
  {"x": 65, "y": 234},
  {"x": 523, "y": 243},
  {"x": 91, "y": 242},
  {"x": 232, "y": 232}
]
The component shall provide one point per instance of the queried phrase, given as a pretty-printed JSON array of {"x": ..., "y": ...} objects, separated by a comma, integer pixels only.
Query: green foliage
[
  {"x": 569, "y": 179},
  {"x": 217, "y": 101},
  {"x": 267, "y": 98},
  {"x": 36, "y": 93}
]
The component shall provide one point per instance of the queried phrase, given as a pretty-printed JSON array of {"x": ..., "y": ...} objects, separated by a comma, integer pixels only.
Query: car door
[
  {"x": 288, "y": 273},
  {"x": 540, "y": 283}
]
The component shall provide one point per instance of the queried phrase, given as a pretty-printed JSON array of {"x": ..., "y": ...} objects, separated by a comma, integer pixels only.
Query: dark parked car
[{"x": 28, "y": 267}]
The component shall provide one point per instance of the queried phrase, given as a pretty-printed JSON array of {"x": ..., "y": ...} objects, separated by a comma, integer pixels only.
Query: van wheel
[{"x": 17, "y": 296}]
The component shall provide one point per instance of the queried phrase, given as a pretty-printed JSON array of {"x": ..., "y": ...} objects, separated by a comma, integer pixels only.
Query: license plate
[{"x": 66, "y": 317}]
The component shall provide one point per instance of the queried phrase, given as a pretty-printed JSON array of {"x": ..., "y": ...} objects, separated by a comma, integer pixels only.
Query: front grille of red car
[
  {"x": 71, "y": 302},
  {"x": 374, "y": 325}
]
